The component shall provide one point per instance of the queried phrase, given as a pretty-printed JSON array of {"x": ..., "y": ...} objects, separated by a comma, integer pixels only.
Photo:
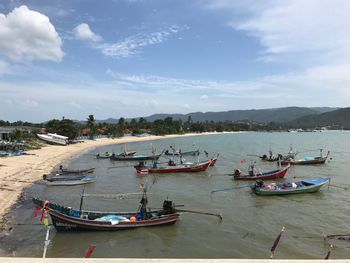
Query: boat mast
[{"x": 81, "y": 199}]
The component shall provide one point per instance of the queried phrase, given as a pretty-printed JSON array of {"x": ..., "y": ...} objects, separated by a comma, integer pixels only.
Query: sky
[{"x": 133, "y": 58}]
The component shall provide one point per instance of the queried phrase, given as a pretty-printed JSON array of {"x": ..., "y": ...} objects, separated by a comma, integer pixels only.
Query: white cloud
[
  {"x": 303, "y": 32},
  {"x": 29, "y": 35},
  {"x": 4, "y": 68},
  {"x": 83, "y": 32},
  {"x": 204, "y": 97},
  {"x": 133, "y": 44}
]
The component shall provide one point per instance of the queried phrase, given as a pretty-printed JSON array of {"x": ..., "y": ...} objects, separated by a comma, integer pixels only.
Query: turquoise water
[{"x": 250, "y": 223}]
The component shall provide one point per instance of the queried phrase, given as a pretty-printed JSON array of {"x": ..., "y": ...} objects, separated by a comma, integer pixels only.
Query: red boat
[
  {"x": 213, "y": 160},
  {"x": 178, "y": 168},
  {"x": 262, "y": 176}
]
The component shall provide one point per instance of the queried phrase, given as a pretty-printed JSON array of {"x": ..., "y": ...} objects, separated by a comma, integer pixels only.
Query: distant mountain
[
  {"x": 338, "y": 118},
  {"x": 280, "y": 115}
]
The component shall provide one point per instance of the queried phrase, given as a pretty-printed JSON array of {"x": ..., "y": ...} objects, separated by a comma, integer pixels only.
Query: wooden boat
[
  {"x": 270, "y": 159},
  {"x": 68, "y": 219},
  {"x": 178, "y": 153},
  {"x": 75, "y": 171},
  {"x": 135, "y": 157},
  {"x": 213, "y": 160},
  {"x": 84, "y": 180},
  {"x": 105, "y": 155},
  {"x": 177, "y": 168},
  {"x": 280, "y": 173},
  {"x": 62, "y": 177},
  {"x": 306, "y": 160},
  {"x": 108, "y": 155},
  {"x": 308, "y": 186}
]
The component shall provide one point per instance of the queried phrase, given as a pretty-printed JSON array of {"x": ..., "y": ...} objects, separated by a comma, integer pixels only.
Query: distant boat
[
  {"x": 307, "y": 160},
  {"x": 178, "y": 153},
  {"x": 308, "y": 186},
  {"x": 53, "y": 138},
  {"x": 177, "y": 168},
  {"x": 84, "y": 180},
  {"x": 76, "y": 171},
  {"x": 62, "y": 177},
  {"x": 275, "y": 174},
  {"x": 115, "y": 157},
  {"x": 108, "y": 155},
  {"x": 105, "y": 155}
]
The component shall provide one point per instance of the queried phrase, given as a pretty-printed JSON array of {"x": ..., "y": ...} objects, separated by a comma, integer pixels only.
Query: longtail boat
[
  {"x": 307, "y": 160},
  {"x": 213, "y": 160},
  {"x": 108, "y": 155},
  {"x": 77, "y": 181},
  {"x": 308, "y": 186},
  {"x": 105, "y": 155},
  {"x": 177, "y": 168},
  {"x": 63, "y": 177},
  {"x": 69, "y": 219},
  {"x": 135, "y": 157},
  {"x": 180, "y": 153},
  {"x": 75, "y": 171},
  {"x": 270, "y": 158},
  {"x": 279, "y": 173}
]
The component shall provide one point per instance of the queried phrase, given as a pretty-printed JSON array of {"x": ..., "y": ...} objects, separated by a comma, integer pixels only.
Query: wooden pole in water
[
  {"x": 47, "y": 241},
  {"x": 275, "y": 243},
  {"x": 90, "y": 251}
]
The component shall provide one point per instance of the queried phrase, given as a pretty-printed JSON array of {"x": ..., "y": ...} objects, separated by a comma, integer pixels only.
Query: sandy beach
[{"x": 17, "y": 173}]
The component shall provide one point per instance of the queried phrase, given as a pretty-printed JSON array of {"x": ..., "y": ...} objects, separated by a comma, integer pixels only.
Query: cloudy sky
[{"x": 131, "y": 58}]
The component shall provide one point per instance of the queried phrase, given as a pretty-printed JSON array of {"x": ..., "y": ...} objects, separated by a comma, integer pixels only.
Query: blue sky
[{"x": 131, "y": 58}]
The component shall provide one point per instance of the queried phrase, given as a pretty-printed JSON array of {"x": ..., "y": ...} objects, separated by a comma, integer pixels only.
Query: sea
[{"x": 250, "y": 223}]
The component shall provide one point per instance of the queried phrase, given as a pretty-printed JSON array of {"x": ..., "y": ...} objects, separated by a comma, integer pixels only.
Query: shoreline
[{"x": 20, "y": 172}]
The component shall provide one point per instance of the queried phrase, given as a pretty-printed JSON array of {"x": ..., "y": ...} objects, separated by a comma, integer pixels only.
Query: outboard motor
[{"x": 168, "y": 207}]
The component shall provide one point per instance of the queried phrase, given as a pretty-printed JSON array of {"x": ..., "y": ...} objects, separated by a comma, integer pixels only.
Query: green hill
[{"x": 336, "y": 119}]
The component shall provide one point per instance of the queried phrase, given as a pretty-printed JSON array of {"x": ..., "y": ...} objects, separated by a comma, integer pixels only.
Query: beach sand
[{"x": 19, "y": 172}]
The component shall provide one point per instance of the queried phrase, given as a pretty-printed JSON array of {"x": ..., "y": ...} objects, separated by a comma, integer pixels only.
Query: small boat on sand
[{"x": 300, "y": 187}]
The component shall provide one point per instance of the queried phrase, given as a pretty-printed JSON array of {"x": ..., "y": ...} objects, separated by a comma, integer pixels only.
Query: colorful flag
[
  {"x": 36, "y": 211},
  {"x": 46, "y": 218}
]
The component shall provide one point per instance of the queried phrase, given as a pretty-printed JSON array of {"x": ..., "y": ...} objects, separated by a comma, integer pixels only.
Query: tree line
[{"x": 168, "y": 125}]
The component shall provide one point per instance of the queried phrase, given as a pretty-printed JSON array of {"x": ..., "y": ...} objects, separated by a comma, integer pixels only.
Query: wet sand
[{"x": 19, "y": 172}]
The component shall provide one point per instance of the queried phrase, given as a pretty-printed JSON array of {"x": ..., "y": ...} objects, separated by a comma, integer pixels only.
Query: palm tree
[{"x": 91, "y": 125}]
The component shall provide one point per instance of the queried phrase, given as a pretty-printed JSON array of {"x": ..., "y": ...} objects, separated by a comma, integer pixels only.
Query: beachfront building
[{"x": 6, "y": 131}]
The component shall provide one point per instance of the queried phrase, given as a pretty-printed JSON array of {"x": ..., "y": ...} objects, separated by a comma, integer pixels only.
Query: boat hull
[
  {"x": 178, "y": 169},
  {"x": 69, "y": 219},
  {"x": 62, "y": 222},
  {"x": 189, "y": 153},
  {"x": 264, "y": 176},
  {"x": 77, "y": 171},
  {"x": 134, "y": 158},
  {"x": 85, "y": 180},
  {"x": 302, "y": 190}
]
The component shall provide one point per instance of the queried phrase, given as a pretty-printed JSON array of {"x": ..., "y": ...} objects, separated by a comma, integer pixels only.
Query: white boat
[
  {"x": 85, "y": 180},
  {"x": 54, "y": 138}
]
